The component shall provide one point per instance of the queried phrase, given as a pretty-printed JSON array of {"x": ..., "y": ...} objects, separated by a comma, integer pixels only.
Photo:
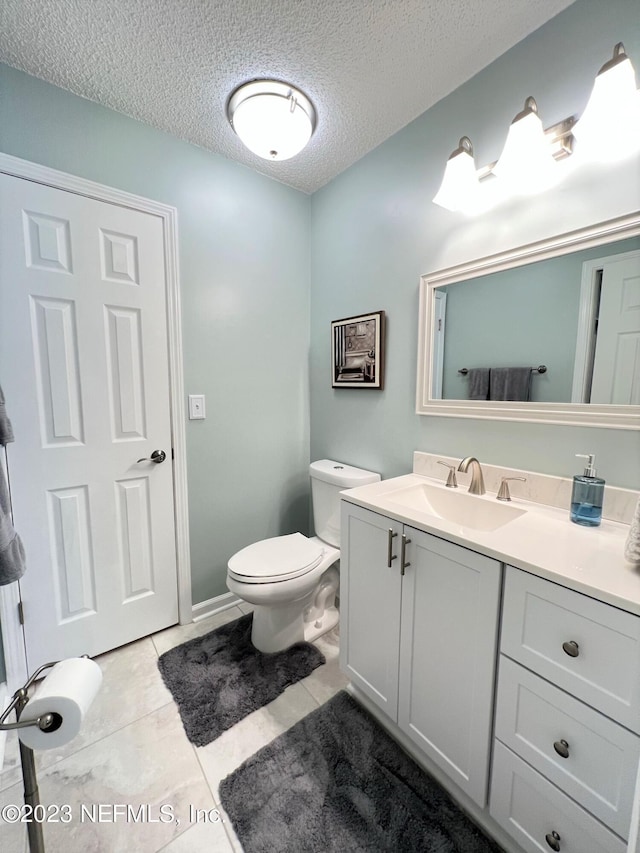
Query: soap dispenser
[{"x": 587, "y": 495}]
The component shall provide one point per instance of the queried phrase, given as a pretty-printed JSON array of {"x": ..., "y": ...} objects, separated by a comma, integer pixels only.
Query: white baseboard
[{"x": 214, "y": 605}]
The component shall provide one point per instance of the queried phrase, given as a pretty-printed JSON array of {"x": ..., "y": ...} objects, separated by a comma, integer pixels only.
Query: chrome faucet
[{"x": 476, "y": 486}]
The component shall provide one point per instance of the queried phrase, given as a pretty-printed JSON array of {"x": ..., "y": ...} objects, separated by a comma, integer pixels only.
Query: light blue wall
[
  {"x": 375, "y": 231},
  {"x": 244, "y": 262}
]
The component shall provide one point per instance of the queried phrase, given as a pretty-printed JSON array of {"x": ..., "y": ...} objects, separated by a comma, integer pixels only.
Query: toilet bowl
[{"x": 292, "y": 580}]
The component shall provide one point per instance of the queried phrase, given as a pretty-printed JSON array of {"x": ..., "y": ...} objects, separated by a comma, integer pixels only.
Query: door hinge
[
  {"x": 20, "y": 613},
  {"x": 173, "y": 456}
]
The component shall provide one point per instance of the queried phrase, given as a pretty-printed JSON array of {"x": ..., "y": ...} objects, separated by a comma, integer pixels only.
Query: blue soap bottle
[{"x": 587, "y": 495}]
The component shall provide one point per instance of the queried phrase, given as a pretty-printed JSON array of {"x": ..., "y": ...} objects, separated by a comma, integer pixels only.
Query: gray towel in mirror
[
  {"x": 510, "y": 383},
  {"x": 478, "y": 387}
]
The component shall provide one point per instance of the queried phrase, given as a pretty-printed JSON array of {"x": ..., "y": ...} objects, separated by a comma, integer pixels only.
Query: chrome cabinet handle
[
  {"x": 157, "y": 456},
  {"x": 562, "y": 748},
  {"x": 571, "y": 648},
  {"x": 553, "y": 840},
  {"x": 390, "y": 556},
  {"x": 403, "y": 564}
]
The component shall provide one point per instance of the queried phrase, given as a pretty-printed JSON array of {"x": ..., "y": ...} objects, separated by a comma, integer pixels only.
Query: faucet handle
[
  {"x": 452, "y": 483},
  {"x": 503, "y": 493}
]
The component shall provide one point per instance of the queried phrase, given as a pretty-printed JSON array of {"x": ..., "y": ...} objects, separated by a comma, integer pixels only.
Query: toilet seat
[{"x": 278, "y": 559}]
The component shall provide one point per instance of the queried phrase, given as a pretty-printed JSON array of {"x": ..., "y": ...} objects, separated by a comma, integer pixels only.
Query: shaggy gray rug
[
  {"x": 219, "y": 678},
  {"x": 337, "y": 782}
]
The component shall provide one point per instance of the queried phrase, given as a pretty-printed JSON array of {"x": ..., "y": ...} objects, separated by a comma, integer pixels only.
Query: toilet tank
[{"x": 328, "y": 479}]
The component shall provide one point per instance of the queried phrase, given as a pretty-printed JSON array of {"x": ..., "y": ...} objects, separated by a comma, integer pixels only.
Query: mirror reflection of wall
[{"x": 529, "y": 315}]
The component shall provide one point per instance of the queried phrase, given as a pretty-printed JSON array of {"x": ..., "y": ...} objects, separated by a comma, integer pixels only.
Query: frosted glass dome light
[{"x": 274, "y": 120}]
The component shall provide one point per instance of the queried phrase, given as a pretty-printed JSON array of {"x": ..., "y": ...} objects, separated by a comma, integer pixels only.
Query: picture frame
[{"x": 357, "y": 351}]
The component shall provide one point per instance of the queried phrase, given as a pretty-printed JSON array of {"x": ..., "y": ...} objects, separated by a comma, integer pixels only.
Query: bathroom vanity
[{"x": 501, "y": 643}]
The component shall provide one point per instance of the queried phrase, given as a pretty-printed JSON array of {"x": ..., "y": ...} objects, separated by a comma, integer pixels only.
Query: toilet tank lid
[{"x": 344, "y": 476}]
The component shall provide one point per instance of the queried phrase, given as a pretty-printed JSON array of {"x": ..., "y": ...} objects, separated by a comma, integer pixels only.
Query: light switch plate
[{"x": 196, "y": 407}]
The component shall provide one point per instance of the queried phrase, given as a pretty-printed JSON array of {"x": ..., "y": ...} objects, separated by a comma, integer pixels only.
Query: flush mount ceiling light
[
  {"x": 609, "y": 128},
  {"x": 274, "y": 120}
]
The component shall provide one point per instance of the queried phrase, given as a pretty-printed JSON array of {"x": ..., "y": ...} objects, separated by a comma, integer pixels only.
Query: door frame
[{"x": 14, "y": 646}]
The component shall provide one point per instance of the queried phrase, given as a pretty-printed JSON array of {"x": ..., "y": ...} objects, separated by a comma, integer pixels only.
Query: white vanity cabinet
[
  {"x": 567, "y": 719},
  {"x": 419, "y": 638}
]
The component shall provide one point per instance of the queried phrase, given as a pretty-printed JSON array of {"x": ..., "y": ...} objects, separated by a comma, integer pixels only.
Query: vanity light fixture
[
  {"x": 609, "y": 128},
  {"x": 274, "y": 120},
  {"x": 526, "y": 164},
  {"x": 460, "y": 184}
]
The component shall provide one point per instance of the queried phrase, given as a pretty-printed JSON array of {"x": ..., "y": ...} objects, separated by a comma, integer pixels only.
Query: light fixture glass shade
[
  {"x": 609, "y": 128},
  {"x": 459, "y": 189},
  {"x": 526, "y": 165},
  {"x": 274, "y": 120}
]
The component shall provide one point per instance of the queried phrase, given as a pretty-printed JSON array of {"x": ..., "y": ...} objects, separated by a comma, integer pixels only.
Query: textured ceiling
[{"x": 369, "y": 66}]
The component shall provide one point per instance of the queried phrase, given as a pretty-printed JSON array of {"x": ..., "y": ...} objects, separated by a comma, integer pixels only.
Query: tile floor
[{"x": 133, "y": 751}]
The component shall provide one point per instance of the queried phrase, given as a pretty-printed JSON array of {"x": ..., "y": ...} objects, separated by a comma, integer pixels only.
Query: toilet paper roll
[{"x": 67, "y": 691}]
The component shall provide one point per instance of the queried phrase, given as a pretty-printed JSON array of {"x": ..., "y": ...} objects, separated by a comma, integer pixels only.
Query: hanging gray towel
[
  {"x": 510, "y": 383},
  {"x": 12, "y": 561},
  {"x": 478, "y": 383},
  {"x": 6, "y": 430}
]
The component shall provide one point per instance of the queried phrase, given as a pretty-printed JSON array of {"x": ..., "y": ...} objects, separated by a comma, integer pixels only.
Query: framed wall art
[{"x": 357, "y": 351}]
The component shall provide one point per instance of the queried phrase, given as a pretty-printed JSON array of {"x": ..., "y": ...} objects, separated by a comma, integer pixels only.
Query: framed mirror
[{"x": 566, "y": 308}]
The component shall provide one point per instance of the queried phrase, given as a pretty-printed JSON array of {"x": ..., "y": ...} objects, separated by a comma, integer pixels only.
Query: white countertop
[{"x": 543, "y": 541}]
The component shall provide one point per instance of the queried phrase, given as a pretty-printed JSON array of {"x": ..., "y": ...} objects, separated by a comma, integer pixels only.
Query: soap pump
[{"x": 587, "y": 495}]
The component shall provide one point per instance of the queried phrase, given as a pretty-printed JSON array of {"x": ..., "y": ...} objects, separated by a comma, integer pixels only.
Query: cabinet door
[
  {"x": 370, "y": 604},
  {"x": 450, "y": 603}
]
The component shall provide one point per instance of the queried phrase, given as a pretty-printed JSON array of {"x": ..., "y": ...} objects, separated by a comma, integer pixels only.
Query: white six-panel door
[
  {"x": 616, "y": 367},
  {"x": 84, "y": 367}
]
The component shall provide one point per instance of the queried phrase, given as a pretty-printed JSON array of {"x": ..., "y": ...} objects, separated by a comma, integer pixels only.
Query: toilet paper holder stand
[{"x": 46, "y": 723}]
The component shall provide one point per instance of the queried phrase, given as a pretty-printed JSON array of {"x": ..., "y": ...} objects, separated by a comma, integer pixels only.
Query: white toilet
[{"x": 292, "y": 580}]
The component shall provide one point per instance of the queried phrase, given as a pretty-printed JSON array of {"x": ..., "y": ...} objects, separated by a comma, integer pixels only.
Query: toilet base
[
  {"x": 275, "y": 628},
  {"x": 329, "y": 620}
]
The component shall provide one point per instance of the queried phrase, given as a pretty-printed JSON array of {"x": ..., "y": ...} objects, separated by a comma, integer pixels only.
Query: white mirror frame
[{"x": 577, "y": 414}]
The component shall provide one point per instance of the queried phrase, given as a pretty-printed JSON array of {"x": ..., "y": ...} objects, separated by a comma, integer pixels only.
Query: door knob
[{"x": 157, "y": 456}]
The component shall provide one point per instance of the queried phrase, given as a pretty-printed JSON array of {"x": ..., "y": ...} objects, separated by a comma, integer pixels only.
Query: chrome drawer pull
[
  {"x": 562, "y": 748},
  {"x": 390, "y": 556},
  {"x": 553, "y": 840},
  {"x": 571, "y": 648}
]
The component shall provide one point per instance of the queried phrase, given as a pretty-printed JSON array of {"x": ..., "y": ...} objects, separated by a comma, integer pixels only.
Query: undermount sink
[{"x": 458, "y": 507}]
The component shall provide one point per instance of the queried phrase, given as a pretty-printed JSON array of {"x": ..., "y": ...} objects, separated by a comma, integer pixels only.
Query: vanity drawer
[
  {"x": 531, "y": 809},
  {"x": 600, "y": 757},
  {"x": 586, "y": 647}
]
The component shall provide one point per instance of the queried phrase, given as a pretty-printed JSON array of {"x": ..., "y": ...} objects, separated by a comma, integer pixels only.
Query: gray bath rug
[
  {"x": 337, "y": 782},
  {"x": 220, "y": 678}
]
